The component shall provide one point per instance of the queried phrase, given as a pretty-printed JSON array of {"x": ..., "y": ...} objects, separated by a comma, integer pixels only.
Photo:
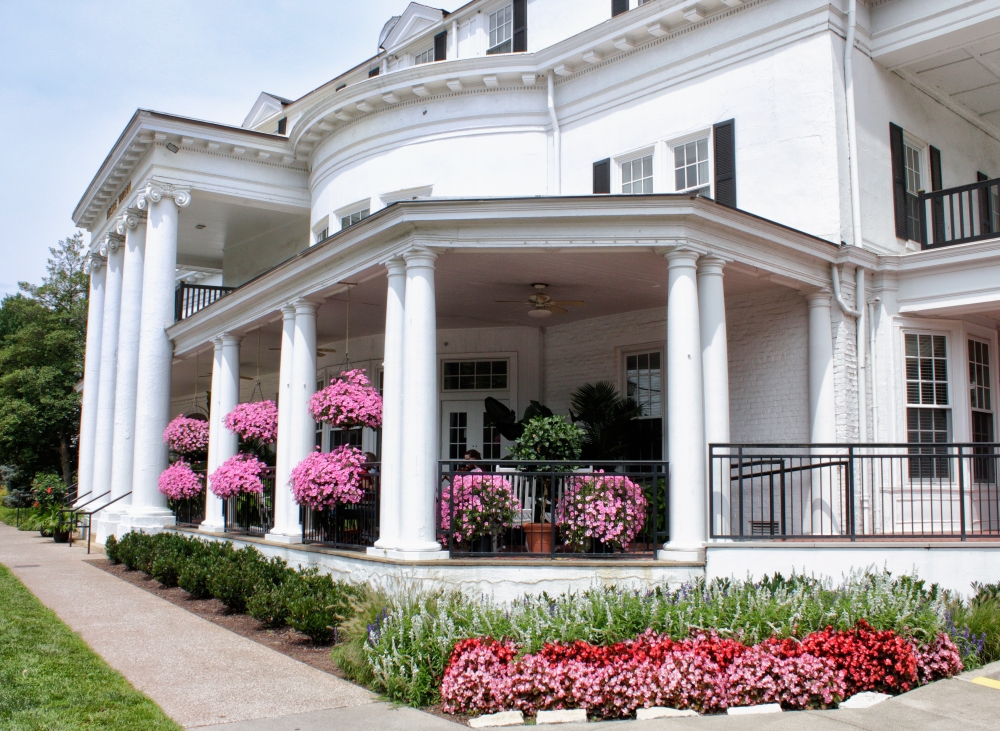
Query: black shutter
[
  {"x": 898, "y": 179},
  {"x": 520, "y": 26},
  {"x": 282, "y": 125},
  {"x": 985, "y": 205},
  {"x": 441, "y": 46},
  {"x": 602, "y": 177},
  {"x": 618, "y": 7},
  {"x": 935, "y": 169},
  {"x": 373, "y": 72},
  {"x": 937, "y": 212},
  {"x": 725, "y": 162}
]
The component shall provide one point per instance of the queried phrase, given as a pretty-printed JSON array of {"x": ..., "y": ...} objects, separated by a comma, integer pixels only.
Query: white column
[
  {"x": 420, "y": 413},
  {"x": 152, "y": 409},
  {"x": 685, "y": 412},
  {"x": 302, "y": 426},
  {"x": 822, "y": 408},
  {"x": 104, "y": 433},
  {"x": 390, "y": 508},
  {"x": 715, "y": 376},
  {"x": 91, "y": 375},
  {"x": 287, "y": 527},
  {"x": 229, "y": 396},
  {"x": 213, "y": 522},
  {"x": 133, "y": 226}
]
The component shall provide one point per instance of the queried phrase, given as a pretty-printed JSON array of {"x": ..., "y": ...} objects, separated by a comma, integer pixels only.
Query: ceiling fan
[{"x": 541, "y": 305}]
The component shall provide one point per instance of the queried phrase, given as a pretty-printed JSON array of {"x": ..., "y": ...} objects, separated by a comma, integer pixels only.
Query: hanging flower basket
[
  {"x": 349, "y": 401},
  {"x": 609, "y": 509},
  {"x": 236, "y": 475},
  {"x": 322, "y": 481},
  {"x": 484, "y": 505},
  {"x": 257, "y": 421},
  {"x": 186, "y": 436},
  {"x": 180, "y": 482}
]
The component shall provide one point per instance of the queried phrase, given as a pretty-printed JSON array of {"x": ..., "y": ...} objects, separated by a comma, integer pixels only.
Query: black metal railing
[
  {"x": 83, "y": 520},
  {"x": 544, "y": 509},
  {"x": 854, "y": 491},
  {"x": 190, "y": 513},
  {"x": 348, "y": 526},
  {"x": 251, "y": 513},
  {"x": 192, "y": 298},
  {"x": 960, "y": 215}
]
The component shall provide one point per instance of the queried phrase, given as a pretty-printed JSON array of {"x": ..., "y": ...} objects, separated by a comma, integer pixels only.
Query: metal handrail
[
  {"x": 90, "y": 514},
  {"x": 83, "y": 505}
]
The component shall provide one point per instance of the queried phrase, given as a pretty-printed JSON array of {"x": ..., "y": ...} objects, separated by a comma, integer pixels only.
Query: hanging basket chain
[{"x": 257, "y": 388}]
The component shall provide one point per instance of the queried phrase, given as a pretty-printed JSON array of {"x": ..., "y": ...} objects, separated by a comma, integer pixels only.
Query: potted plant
[
  {"x": 601, "y": 512},
  {"x": 477, "y": 507},
  {"x": 49, "y": 492},
  {"x": 348, "y": 402},
  {"x": 545, "y": 438}
]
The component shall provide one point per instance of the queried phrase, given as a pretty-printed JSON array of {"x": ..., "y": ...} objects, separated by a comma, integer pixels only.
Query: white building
[{"x": 738, "y": 202}]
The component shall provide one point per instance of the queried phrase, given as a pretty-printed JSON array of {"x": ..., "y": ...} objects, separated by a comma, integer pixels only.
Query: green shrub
[
  {"x": 193, "y": 575},
  {"x": 169, "y": 557},
  {"x": 111, "y": 550},
  {"x": 316, "y": 605},
  {"x": 237, "y": 579},
  {"x": 270, "y": 605}
]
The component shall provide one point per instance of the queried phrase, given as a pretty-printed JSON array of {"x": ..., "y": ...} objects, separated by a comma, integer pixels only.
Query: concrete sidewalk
[{"x": 199, "y": 674}]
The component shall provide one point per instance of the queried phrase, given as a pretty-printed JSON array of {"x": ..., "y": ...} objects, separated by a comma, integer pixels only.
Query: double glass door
[{"x": 463, "y": 427}]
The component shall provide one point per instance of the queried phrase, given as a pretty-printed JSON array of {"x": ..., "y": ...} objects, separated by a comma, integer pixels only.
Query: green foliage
[
  {"x": 234, "y": 581},
  {"x": 48, "y": 489},
  {"x": 505, "y": 420},
  {"x": 50, "y": 679},
  {"x": 411, "y": 642},
  {"x": 976, "y": 628},
  {"x": 548, "y": 438},
  {"x": 607, "y": 419},
  {"x": 111, "y": 550},
  {"x": 350, "y": 654},
  {"x": 317, "y": 605}
]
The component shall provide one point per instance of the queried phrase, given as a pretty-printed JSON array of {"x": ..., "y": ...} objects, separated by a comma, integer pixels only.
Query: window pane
[{"x": 703, "y": 149}]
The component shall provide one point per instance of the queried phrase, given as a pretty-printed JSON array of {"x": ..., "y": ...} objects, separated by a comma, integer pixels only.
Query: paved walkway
[{"x": 205, "y": 676}]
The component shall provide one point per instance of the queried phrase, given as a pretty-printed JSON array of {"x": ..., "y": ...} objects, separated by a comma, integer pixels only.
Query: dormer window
[
  {"x": 501, "y": 30},
  {"x": 283, "y": 125},
  {"x": 425, "y": 57}
]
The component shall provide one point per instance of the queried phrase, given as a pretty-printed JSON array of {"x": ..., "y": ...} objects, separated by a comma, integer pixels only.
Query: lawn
[{"x": 50, "y": 680}]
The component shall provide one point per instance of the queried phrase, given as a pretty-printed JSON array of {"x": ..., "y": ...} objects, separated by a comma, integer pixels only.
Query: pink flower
[
  {"x": 180, "y": 482},
  {"x": 258, "y": 421},
  {"x": 322, "y": 481},
  {"x": 186, "y": 436},
  {"x": 607, "y": 508},
  {"x": 484, "y": 505},
  {"x": 349, "y": 401},
  {"x": 237, "y": 474}
]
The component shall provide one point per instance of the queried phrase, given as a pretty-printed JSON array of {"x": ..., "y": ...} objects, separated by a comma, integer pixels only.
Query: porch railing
[
  {"x": 190, "y": 513},
  {"x": 960, "y": 215},
  {"x": 854, "y": 491},
  {"x": 348, "y": 526},
  {"x": 251, "y": 513},
  {"x": 545, "y": 518},
  {"x": 192, "y": 298}
]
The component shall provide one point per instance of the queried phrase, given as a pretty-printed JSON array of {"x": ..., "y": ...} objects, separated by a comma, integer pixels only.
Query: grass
[
  {"x": 50, "y": 680},
  {"x": 9, "y": 516}
]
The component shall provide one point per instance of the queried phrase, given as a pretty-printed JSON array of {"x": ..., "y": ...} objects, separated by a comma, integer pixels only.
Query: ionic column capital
[
  {"x": 155, "y": 192},
  {"x": 94, "y": 263},
  {"x": 130, "y": 220},
  {"x": 111, "y": 243}
]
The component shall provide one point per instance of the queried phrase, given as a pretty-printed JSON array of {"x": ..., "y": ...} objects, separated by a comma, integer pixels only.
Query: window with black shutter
[
  {"x": 989, "y": 205},
  {"x": 724, "y": 135},
  {"x": 906, "y": 181},
  {"x": 618, "y": 7},
  {"x": 937, "y": 212},
  {"x": 441, "y": 46},
  {"x": 282, "y": 125},
  {"x": 602, "y": 177},
  {"x": 373, "y": 72},
  {"x": 520, "y": 26}
]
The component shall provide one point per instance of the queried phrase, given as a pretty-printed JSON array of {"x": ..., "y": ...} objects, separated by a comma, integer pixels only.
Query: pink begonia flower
[
  {"x": 258, "y": 420},
  {"x": 323, "y": 480},
  {"x": 237, "y": 474},
  {"x": 349, "y": 401},
  {"x": 484, "y": 505},
  {"x": 606, "y": 508},
  {"x": 180, "y": 482},
  {"x": 186, "y": 436}
]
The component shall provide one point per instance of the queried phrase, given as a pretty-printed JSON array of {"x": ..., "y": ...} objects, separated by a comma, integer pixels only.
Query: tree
[{"x": 42, "y": 334}]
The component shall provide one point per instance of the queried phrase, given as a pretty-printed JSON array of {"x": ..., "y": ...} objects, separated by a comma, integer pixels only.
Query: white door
[{"x": 463, "y": 428}]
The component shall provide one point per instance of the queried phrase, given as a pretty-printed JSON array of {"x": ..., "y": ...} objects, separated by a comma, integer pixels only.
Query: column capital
[
  {"x": 155, "y": 192},
  {"x": 420, "y": 257},
  {"x": 288, "y": 311},
  {"x": 306, "y": 306},
  {"x": 94, "y": 263},
  {"x": 396, "y": 266},
  {"x": 130, "y": 220},
  {"x": 681, "y": 258},
  {"x": 111, "y": 243},
  {"x": 711, "y": 264},
  {"x": 230, "y": 339},
  {"x": 819, "y": 298}
]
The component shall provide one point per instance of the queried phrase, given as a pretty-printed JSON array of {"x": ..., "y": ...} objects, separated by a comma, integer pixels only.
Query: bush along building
[{"x": 773, "y": 226}]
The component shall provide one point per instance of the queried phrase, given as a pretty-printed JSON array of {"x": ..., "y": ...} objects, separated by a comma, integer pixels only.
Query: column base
[
  {"x": 104, "y": 525},
  {"x": 400, "y": 555},
  {"x": 283, "y": 538},
  {"x": 689, "y": 554},
  {"x": 208, "y": 527},
  {"x": 145, "y": 521}
]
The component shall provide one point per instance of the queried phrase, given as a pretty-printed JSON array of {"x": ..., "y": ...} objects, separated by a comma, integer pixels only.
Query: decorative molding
[
  {"x": 155, "y": 192},
  {"x": 111, "y": 243},
  {"x": 94, "y": 264},
  {"x": 130, "y": 220}
]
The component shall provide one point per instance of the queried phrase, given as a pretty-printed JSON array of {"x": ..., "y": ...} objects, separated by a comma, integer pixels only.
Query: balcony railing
[
  {"x": 190, "y": 513},
  {"x": 854, "y": 491},
  {"x": 353, "y": 527},
  {"x": 545, "y": 520},
  {"x": 192, "y": 298},
  {"x": 251, "y": 513},
  {"x": 960, "y": 215}
]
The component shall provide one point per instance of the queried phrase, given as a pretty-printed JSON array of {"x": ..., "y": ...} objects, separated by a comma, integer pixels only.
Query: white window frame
[
  {"x": 620, "y": 160},
  {"x": 923, "y": 156},
  {"x": 427, "y": 55},
  {"x": 488, "y": 16},
  {"x": 365, "y": 204},
  {"x": 703, "y": 134},
  {"x": 318, "y": 229},
  {"x": 624, "y": 354}
]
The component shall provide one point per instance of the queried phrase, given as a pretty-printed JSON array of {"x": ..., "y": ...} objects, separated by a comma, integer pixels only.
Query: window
[
  {"x": 981, "y": 399},
  {"x": 928, "y": 413},
  {"x": 349, "y": 219},
  {"x": 475, "y": 375},
  {"x": 374, "y": 71},
  {"x": 643, "y": 382},
  {"x": 458, "y": 440},
  {"x": 501, "y": 30},
  {"x": 323, "y": 235},
  {"x": 914, "y": 184},
  {"x": 637, "y": 176},
  {"x": 691, "y": 167},
  {"x": 282, "y": 125},
  {"x": 425, "y": 57}
]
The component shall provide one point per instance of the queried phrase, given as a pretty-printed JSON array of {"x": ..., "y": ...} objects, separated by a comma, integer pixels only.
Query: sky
[{"x": 73, "y": 72}]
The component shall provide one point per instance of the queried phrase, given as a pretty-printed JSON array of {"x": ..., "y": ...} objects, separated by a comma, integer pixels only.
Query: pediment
[
  {"x": 267, "y": 105},
  {"x": 415, "y": 20}
]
